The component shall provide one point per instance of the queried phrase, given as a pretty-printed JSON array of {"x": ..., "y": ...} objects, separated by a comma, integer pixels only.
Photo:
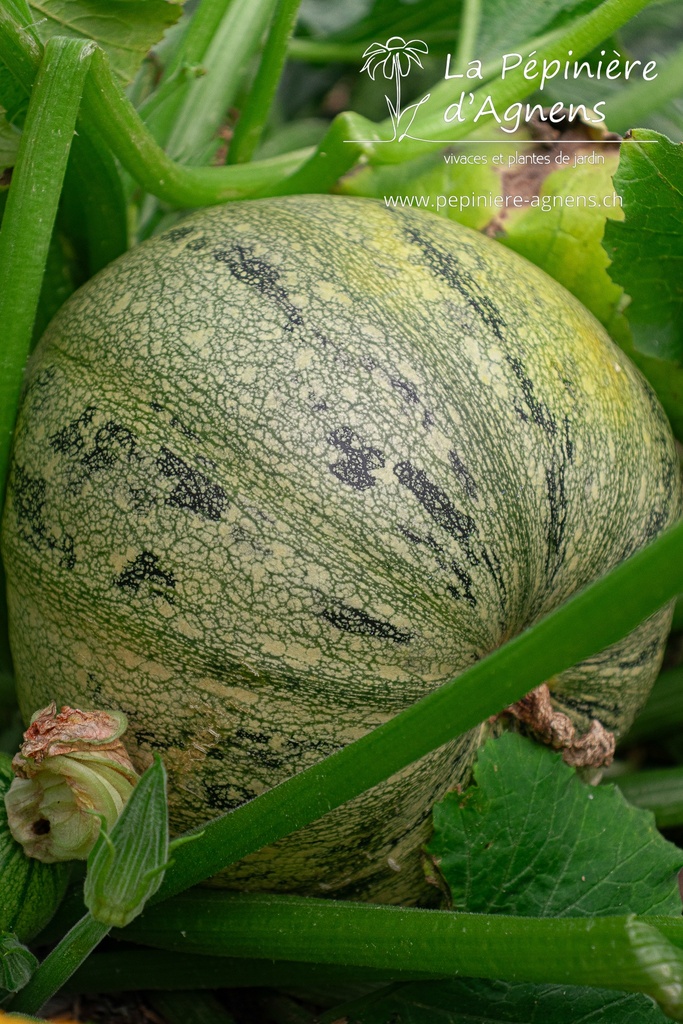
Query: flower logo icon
[{"x": 395, "y": 58}]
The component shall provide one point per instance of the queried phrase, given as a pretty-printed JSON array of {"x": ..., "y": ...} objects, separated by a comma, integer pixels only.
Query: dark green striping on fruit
[
  {"x": 355, "y": 620},
  {"x": 357, "y": 459},
  {"x": 446, "y": 265},
  {"x": 142, "y": 569},
  {"x": 255, "y": 272},
  {"x": 286, "y": 468},
  {"x": 193, "y": 490},
  {"x": 435, "y": 501}
]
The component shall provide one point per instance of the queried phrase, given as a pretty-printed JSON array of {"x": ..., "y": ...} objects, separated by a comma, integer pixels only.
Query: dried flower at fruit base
[{"x": 72, "y": 772}]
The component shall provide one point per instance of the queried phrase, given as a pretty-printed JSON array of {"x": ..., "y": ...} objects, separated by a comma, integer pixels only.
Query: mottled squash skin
[{"x": 284, "y": 469}]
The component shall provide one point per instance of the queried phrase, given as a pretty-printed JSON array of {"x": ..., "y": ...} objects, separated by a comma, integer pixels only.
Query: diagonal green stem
[
  {"x": 254, "y": 116},
  {"x": 592, "y": 620},
  {"x": 160, "y": 109},
  {"x": 633, "y": 104},
  {"x": 340, "y": 152},
  {"x": 30, "y": 214},
  {"x": 61, "y": 963},
  {"x": 203, "y": 25}
]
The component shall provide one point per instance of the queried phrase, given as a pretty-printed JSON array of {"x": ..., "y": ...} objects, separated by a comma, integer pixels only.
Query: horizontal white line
[{"x": 519, "y": 142}]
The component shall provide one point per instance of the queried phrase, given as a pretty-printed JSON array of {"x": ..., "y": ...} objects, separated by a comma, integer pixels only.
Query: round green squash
[{"x": 287, "y": 467}]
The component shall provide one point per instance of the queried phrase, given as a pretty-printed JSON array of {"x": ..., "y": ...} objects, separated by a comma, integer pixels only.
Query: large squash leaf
[
  {"x": 125, "y": 29},
  {"x": 647, "y": 246},
  {"x": 530, "y": 838},
  {"x": 646, "y": 249}
]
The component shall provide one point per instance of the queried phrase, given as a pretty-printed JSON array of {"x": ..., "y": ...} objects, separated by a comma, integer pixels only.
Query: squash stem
[
  {"x": 59, "y": 965},
  {"x": 254, "y": 115},
  {"x": 207, "y": 97},
  {"x": 30, "y": 214},
  {"x": 621, "y": 952},
  {"x": 469, "y": 30},
  {"x": 130, "y": 969}
]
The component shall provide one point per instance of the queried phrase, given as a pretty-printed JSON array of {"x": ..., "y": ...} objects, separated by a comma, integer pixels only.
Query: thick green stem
[
  {"x": 203, "y": 25},
  {"x": 254, "y": 116},
  {"x": 334, "y": 156},
  {"x": 160, "y": 110},
  {"x": 61, "y": 963},
  {"x": 144, "y": 159},
  {"x": 30, "y": 215},
  {"x": 625, "y": 953},
  {"x": 314, "y": 51},
  {"x": 590, "y": 621}
]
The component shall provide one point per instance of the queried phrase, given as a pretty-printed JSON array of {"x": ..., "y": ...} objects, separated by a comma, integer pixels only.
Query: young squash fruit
[{"x": 284, "y": 469}]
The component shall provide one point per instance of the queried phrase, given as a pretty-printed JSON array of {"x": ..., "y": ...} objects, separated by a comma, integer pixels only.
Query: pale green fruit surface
[{"x": 286, "y": 468}]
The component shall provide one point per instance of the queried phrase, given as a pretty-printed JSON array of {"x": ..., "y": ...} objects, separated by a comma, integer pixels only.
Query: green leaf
[
  {"x": 474, "y": 1001},
  {"x": 647, "y": 246},
  {"x": 126, "y": 866},
  {"x": 564, "y": 849},
  {"x": 566, "y": 240},
  {"x": 125, "y": 29}
]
